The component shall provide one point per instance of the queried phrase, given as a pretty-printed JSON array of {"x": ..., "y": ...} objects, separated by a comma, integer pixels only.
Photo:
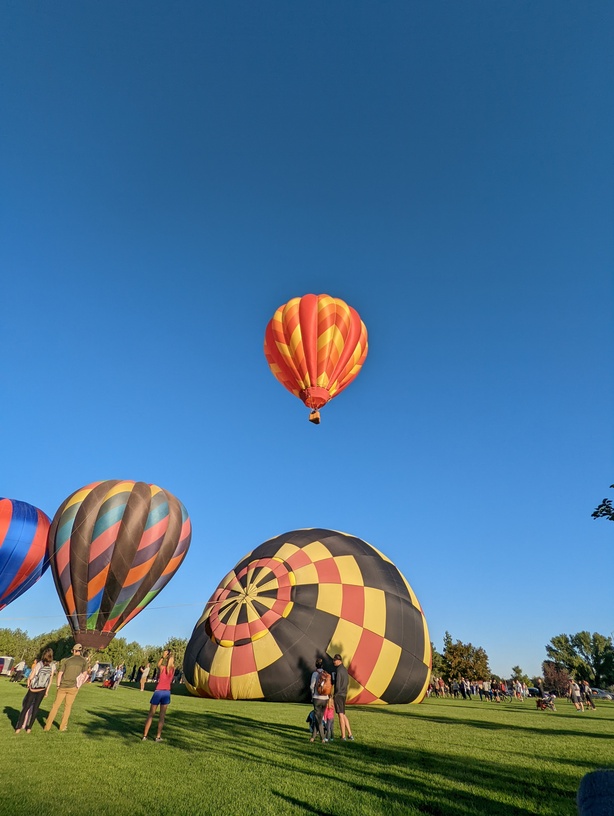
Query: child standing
[{"x": 328, "y": 720}]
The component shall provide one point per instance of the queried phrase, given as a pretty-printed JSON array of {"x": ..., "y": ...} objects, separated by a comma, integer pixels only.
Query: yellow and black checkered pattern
[{"x": 308, "y": 594}]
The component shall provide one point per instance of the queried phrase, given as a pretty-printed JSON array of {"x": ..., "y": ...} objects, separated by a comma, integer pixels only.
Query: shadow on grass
[{"x": 404, "y": 777}]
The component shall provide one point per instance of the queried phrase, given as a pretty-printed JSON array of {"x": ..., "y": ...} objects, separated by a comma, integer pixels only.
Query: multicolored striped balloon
[
  {"x": 315, "y": 346},
  {"x": 113, "y": 546},
  {"x": 303, "y": 595},
  {"x": 23, "y": 547}
]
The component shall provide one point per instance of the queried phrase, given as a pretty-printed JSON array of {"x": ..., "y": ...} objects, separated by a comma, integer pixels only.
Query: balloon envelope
[
  {"x": 23, "y": 548},
  {"x": 305, "y": 594},
  {"x": 315, "y": 346},
  {"x": 113, "y": 546}
]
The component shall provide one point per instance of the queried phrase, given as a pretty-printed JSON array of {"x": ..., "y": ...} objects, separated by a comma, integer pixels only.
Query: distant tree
[
  {"x": 584, "y": 656},
  {"x": 60, "y": 640},
  {"x": 604, "y": 510},
  {"x": 556, "y": 678},
  {"x": 535, "y": 681},
  {"x": 178, "y": 647},
  {"x": 463, "y": 660},
  {"x": 15, "y": 643},
  {"x": 519, "y": 675}
]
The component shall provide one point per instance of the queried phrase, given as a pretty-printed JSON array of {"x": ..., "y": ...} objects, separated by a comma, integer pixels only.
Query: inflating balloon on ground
[{"x": 303, "y": 595}]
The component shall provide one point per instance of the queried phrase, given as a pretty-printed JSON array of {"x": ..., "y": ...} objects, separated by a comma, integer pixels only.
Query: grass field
[{"x": 452, "y": 757}]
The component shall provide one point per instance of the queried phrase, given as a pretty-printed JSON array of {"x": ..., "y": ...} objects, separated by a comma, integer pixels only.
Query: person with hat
[
  {"x": 341, "y": 681},
  {"x": 68, "y": 674}
]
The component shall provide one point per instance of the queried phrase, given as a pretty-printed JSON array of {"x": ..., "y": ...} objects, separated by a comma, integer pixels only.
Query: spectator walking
[
  {"x": 39, "y": 682},
  {"x": 68, "y": 673}
]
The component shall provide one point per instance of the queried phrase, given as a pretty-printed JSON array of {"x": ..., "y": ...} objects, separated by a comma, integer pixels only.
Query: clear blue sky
[{"x": 173, "y": 172}]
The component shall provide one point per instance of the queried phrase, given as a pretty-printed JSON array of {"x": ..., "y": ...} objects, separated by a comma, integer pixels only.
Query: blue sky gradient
[{"x": 172, "y": 173}]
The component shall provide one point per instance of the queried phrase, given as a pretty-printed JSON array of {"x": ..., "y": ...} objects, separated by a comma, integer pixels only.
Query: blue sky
[{"x": 172, "y": 173}]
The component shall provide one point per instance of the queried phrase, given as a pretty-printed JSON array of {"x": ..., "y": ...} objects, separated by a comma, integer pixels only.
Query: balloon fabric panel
[
  {"x": 302, "y": 595},
  {"x": 23, "y": 541}
]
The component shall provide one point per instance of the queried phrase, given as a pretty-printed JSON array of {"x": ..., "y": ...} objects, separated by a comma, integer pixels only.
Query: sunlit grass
[{"x": 442, "y": 757}]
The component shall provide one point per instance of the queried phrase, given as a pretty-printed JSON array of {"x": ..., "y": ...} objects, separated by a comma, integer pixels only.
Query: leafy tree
[
  {"x": 556, "y": 678},
  {"x": 438, "y": 662},
  {"x": 604, "y": 510},
  {"x": 15, "y": 643},
  {"x": 519, "y": 675},
  {"x": 463, "y": 660},
  {"x": 584, "y": 656}
]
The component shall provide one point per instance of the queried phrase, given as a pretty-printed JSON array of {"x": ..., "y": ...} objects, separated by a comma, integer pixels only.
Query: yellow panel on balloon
[
  {"x": 246, "y": 687},
  {"x": 266, "y": 651},
  {"x": 220, "y": 665},
  {"x": 330, "y": 598},
  {"x": 349, "y": 570},
  {"x": 286, "y": 550},
  {"x": 316, "y": 551},
  {"x": 345, "y": 639},
  {"x": 306, "y": 575},
  {"x": 375, "y": 611},
  {"x": 384, "y": 669}
]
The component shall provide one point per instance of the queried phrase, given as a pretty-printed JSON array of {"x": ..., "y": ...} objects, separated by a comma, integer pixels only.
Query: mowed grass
[{"x": 452, "y": 757}]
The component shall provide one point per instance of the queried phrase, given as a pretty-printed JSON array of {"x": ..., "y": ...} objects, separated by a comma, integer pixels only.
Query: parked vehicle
[
  {"x": 602, "y": 694},
  {"x": 6, "y": 664},
  {"x": 533, "y": 692}
]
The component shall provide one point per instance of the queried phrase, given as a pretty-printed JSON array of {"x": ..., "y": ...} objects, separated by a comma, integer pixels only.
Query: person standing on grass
[
  {"x": 576, "y": 697},
  {"x": 587, "y": 693},
  {"x": 162, "y": 695},
  {"x": 68, "y": 673},
  {"x": 319, "y": 702},
  {"x": 39, "y": 682},
  {"x": 144, "y": 675},
  {"x": 341, "y": 690}
]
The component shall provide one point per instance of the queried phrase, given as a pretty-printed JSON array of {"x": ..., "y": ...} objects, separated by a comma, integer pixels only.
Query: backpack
[
  {"x": 42, "y": 678},
  {"x": 324, "y": 685}
]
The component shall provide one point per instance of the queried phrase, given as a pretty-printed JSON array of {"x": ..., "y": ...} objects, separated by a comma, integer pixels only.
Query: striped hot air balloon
[
  {"x": 315, "y": 346},
  {"x": 113, "y": 546},
  {"x": 302, "y": 595},
  {"x": 23, "y": 547}
]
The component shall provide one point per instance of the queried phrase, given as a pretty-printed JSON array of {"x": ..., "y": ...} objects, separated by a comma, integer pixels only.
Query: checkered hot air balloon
[
  {"x": 305, "y": 594},
  {"x": 315, "y": 346},
  {"x": 23, "y": 547},
  {"x": 113, "y": 546}
]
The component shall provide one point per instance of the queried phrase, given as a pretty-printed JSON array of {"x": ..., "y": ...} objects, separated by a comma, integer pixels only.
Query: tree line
[
  {"x": 582, "y": 656},
  {"x": 19, "y": 645}
]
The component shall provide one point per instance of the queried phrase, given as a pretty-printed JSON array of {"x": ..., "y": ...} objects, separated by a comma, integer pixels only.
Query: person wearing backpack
[
  {"x": 39, "y": 682},
  {"x": 68, "y": 674},
  {"x": 319, "y": 697}
]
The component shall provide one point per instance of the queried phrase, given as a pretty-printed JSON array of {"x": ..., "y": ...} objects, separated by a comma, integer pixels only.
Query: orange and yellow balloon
[{"x": 315, "y": 346}]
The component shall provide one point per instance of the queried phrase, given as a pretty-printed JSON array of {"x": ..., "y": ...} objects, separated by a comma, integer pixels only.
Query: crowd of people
[{"x": 491, "y": 690}]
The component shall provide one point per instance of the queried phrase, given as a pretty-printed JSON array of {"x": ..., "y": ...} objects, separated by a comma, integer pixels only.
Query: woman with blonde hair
[{"x": 162, "y": 695}]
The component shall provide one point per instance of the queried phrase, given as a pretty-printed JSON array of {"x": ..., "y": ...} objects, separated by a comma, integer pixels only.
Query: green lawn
[{"x": 441, "y": 757}]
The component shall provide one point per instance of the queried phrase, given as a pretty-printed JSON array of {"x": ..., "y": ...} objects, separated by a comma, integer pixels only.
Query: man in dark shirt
[
  {"x": 340, "y": 693},
  {"x": 69, "y": 671}
]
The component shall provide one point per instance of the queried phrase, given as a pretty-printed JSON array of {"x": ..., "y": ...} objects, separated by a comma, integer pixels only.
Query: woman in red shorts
[{"x": 162, "y": 695}]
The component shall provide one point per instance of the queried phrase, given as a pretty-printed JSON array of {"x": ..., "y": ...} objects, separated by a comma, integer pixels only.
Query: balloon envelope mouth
[
  {"x": 315, "y": 396},
  {"x": 91, "y": 639}
]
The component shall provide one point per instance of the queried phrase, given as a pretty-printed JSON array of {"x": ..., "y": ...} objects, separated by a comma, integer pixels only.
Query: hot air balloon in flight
[
  {"x": 315, "y": 346},
  {"x": 303, "y": 595},
  {"x": 113, "y": 546},
  {"x": 23, "y": 548}
]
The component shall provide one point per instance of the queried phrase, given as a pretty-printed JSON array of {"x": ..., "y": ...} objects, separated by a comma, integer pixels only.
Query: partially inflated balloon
[
  {"x": 305, "y": 594},
  {"x": 23, "y": 547},
  {"x": 315, "y": 346},
  {"x": 113, "y": 546}
]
